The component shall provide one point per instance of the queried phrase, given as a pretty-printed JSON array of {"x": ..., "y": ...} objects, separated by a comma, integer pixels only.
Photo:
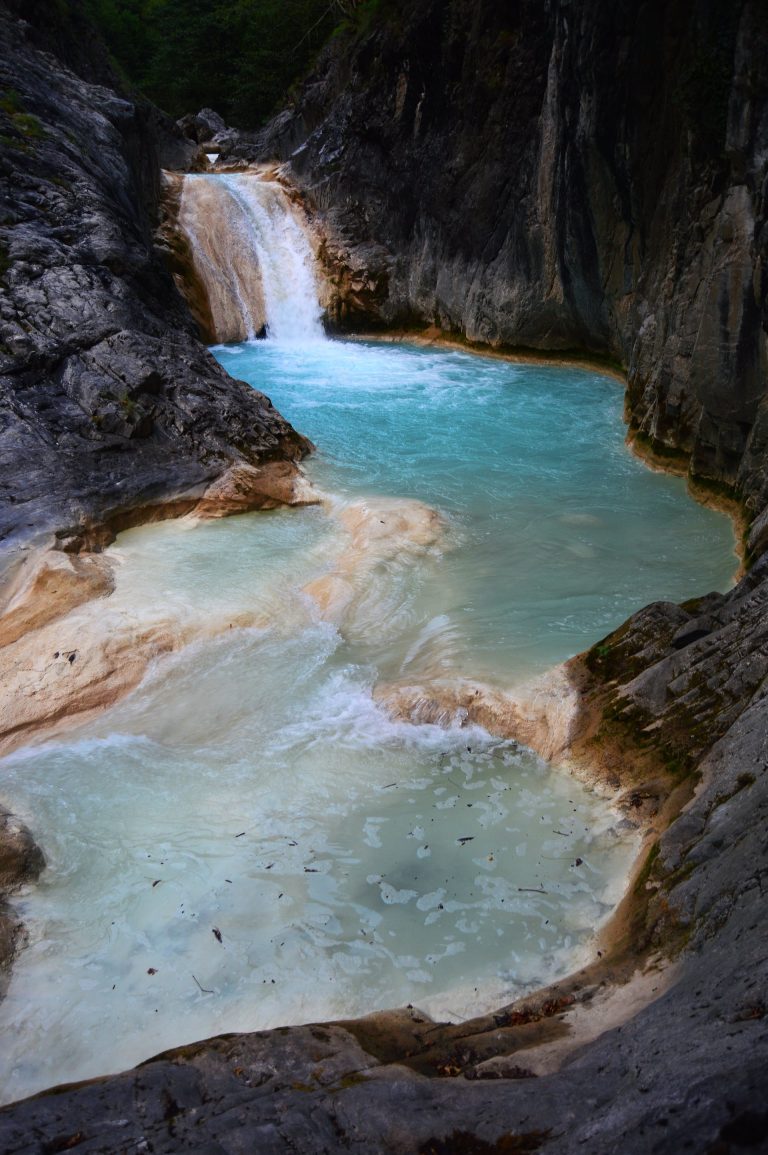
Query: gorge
[{"x": 667, "y": 711}]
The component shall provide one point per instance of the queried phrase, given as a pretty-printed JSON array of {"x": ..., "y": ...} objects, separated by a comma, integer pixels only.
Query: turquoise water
[
  {"x": 249, "y": 839},
  {"x": 557, "y": 532}
]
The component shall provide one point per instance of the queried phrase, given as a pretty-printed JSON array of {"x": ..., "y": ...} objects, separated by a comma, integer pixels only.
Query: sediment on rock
[
  {"x": 64, "y": 659},
  {"x": 21, "y": 861}
]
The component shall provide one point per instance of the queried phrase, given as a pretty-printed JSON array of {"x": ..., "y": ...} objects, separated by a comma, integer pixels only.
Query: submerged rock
[{"x": 21, "y": 861}]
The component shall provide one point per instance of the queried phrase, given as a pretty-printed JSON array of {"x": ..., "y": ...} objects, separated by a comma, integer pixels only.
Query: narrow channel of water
[{"x": 248, "y": 840}]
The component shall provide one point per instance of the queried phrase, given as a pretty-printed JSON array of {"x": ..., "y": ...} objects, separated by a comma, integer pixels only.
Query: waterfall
[{"x": 253, "y": 257}]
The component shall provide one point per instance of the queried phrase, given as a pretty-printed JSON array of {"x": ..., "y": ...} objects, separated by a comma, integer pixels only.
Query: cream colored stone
[
  {"x": 245, "y": 487},
  {"x": 378, "y": 532},
  {"x": 50, "y": 584}
]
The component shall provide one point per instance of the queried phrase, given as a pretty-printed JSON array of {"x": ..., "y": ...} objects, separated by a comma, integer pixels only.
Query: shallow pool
[{"x": 249, "y": 840}]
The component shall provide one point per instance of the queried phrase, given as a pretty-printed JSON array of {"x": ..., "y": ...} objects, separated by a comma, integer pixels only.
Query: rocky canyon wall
[
  {"x": 535, "y": 173},
  {"x": 556, "y": 176},
  {"x": 109, "y": 405}
]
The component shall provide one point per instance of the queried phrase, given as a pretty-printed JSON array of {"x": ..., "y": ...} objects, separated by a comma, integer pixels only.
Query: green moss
[
  {"x": 358, "y": 17},
  {"x": 677, "y": 765},
  {"x": 366, "y": 13},
  {"x": 693, "y": 605},
  {"x": 658, "y": 448},
  {"x": 606, "y": 658},
  {"x": 10, "y": 101},
  {"x": 678, "y": 876},
  {"x": 28, "y": 124},
  {"x": 14, "y": 142}
]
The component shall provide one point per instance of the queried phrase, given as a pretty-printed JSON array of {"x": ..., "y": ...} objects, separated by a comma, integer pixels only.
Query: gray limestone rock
[
  {"x": 541, "y": 174},
  {"x": 108, "y": 401},
  {"x": 21, "y": 861},
  {"x": 550, "y": 176}
]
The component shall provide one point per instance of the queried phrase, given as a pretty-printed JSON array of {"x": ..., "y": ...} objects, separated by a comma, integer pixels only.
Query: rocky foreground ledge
[{"x": 660, "y": 1046}]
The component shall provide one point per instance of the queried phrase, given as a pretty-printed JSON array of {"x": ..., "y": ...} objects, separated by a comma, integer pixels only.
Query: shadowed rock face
[
  {"x": 561, "y": 176},
  {"x": 108, "y": 403},
  {"x": 547, "y": 174}
]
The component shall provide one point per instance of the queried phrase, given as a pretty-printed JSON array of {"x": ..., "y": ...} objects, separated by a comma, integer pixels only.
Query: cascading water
[
  {"x": 253, "y": 256},
  {"x": 251, "y": 838}
]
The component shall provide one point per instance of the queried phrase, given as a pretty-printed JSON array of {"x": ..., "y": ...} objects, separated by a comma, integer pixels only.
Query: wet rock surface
[
  {"x": 109, "y": 403},
  {"x": 21, "y": 861},
  {"x": 532, "y": 175},
  {"x": 559, "y": 177}
]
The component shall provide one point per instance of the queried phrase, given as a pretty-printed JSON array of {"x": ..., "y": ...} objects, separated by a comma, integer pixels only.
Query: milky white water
[
  {"x": 252, "y": 786},
  {"x": 248, "y": 840}
]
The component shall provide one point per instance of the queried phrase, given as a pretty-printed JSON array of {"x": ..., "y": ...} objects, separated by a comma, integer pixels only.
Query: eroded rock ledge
[
  {"x": 661, "y": 1045},
  {"x": 112, "y": 411}
]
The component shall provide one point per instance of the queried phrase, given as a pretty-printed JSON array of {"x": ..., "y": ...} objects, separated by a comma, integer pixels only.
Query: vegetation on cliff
[{"x": 238, "y": 56}]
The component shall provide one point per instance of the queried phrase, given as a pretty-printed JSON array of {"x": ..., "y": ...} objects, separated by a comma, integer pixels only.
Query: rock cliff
[
  {"x": 557, "y": 176},
  {"x": 538, "y": 174},
  {"x": 111, "y": 408}
]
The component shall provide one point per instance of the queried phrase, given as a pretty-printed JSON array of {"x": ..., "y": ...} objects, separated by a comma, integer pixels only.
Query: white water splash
[{"x": 253, "y": 256}]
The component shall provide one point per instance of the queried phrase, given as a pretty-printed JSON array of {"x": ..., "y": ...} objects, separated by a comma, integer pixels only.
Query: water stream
[
  {"x": 249, "y": 839},
  {"x": 253, "y": 256}
]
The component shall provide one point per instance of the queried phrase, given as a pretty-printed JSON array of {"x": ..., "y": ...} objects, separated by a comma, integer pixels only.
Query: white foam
[{"x": 253, "y": 254}]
